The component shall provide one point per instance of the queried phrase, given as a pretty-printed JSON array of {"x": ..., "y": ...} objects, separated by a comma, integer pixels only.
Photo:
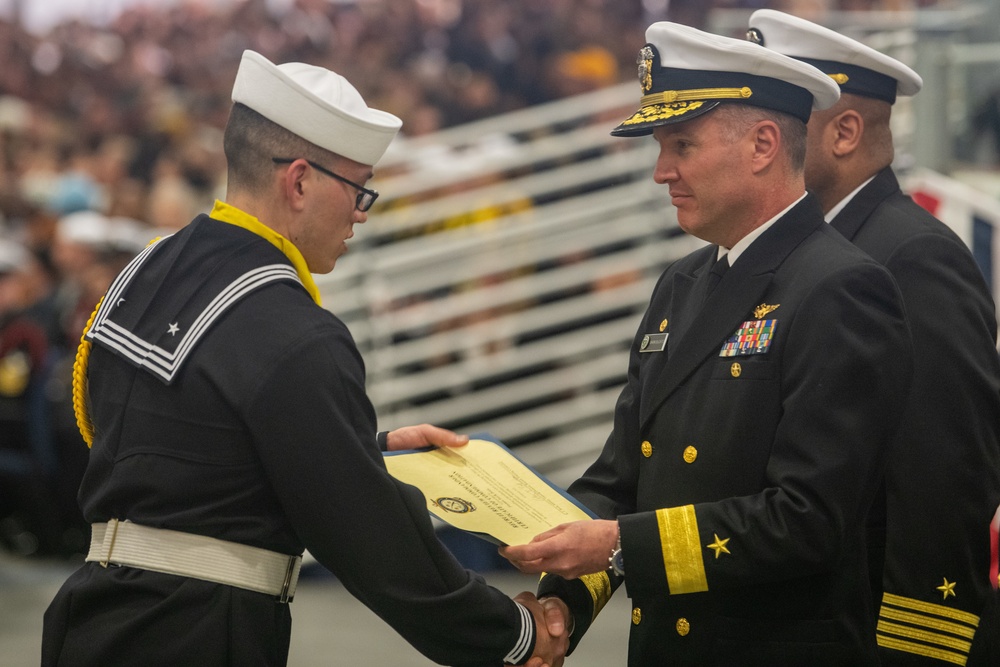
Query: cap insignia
[
  {"x": 645, "y": 62},
  {"x": 756, "y": 36},
  {"x": 840, "y": 78}
]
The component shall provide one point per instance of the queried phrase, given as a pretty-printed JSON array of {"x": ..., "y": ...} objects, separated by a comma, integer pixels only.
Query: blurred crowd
[{"x": 111, "y": 136}]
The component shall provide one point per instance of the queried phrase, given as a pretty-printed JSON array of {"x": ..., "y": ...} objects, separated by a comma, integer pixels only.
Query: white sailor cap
[
  {"x": 316, "y": 104},
  {"x": 685, "y": 73},
  {"x": 13, "y": 257},
  {"x": 87, "y": 228},
  {"x": 857, "y": 68}
]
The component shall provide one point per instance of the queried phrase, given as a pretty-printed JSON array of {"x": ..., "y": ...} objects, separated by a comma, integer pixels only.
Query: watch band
[{"x": 616, "y": 561}]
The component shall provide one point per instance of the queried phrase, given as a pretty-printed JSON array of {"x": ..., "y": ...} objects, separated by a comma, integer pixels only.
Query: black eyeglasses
[{"x": 365, "y": 197}]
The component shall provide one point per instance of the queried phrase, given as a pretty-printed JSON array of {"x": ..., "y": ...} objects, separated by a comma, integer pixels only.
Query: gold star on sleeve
[
  {"x": 720, "y": 546},
  {"x": 947, "y": 588}
]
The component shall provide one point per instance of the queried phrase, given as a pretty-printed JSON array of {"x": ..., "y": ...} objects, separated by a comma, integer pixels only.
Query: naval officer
[
  {"x": 931, "y": 522},
  {"x": 764, "y": 381}
]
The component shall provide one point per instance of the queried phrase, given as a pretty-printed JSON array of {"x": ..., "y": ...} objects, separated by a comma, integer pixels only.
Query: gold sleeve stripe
[
  {"x": 919, "y": 649},
  {"x": 927, "y": 622},
  {"x": 599, "y": 585},
  {"x": 681, "y": 546},
  {"x": 923, "y": 635},
  {"x": 929, "y": 608}
]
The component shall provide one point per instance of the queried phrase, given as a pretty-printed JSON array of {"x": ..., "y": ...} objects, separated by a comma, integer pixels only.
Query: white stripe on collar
[{"x": 154, "y": 358}]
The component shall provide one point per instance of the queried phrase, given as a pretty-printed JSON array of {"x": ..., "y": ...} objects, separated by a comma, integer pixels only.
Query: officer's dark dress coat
[
  {"x": 943, "y": 475},
  {"x": 258, "y": 432},
  {"x": 741, "y": 483}
]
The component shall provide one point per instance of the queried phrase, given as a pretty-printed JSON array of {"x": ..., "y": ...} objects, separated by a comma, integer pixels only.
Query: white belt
[{"x": 196, "y": 556}]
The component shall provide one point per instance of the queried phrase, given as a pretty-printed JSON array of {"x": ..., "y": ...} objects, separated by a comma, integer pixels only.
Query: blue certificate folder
[{"x": 484, "y": 489}]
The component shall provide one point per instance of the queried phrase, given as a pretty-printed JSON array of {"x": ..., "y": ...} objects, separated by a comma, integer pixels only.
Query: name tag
[{"x": 655, "y": 342}]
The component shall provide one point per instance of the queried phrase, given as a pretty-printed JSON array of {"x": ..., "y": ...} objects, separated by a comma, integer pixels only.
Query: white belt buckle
[
  {"x": 108, "y": 544},
  {"x": 283, "y": 598}
]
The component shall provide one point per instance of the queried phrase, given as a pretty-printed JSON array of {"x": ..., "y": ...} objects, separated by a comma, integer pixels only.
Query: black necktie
[{"x": 715, "y": 274}]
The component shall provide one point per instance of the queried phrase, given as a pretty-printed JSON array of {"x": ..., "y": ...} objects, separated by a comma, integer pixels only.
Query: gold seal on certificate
[{"x": 482, "y": 488}]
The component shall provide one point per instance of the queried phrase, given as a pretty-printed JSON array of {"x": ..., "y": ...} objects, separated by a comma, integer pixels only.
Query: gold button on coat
[
  {"x": 647, "y": 448},
  {"x": 736, "y": 369},
  {"x": 663, "y": 326},
  {"x": 636, "y": 616},
  {"x": 683, "y": 627},
  {"x": 690, "y": 454}
]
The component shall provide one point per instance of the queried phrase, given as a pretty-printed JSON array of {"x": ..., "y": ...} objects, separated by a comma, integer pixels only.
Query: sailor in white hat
[
  {"x": 329, "y": 137},
  {"x": 13, "y": 256},
  {"x": 316, "y": 104},
  {"x": 80, "y": 239},
  {"x": 762, "y": 381},
  {"x": 931, "y": 554},
  {"x": 231, "y": 430}
]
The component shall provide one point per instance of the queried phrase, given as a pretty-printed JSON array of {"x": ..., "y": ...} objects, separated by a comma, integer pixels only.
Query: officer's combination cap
[
  {"x": 685, "y": 72},
  {"x": 856, "y": 67},
  {"x": 316, "y": 104}
]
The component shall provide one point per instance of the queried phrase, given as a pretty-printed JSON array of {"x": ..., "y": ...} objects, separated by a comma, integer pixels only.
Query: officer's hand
[
  {"x": 423, "y": 435},
  {"x": 557, "y": 616},
  {"x": 570, "y": 549}
]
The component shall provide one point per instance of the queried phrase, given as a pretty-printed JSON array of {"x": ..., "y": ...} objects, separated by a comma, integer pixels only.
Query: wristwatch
[{"x": 616, "y": 560}]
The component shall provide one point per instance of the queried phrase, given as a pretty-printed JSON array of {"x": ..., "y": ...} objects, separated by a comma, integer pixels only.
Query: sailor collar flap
[{"x": 156, "y": 329}]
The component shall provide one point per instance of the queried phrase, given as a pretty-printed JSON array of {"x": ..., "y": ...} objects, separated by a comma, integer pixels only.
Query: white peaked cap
[
  {"x": 685, "y": 72},
  {"x": 316, "y": 104},
  {"x": 858, "y": 68}
]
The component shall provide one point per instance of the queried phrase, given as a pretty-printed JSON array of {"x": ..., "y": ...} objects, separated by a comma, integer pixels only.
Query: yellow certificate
[{"x": 482, "y": 488}]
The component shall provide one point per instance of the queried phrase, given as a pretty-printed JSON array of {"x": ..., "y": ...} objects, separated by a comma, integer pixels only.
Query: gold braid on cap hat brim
[
  {"x": 80, "y": 382},
  {"x": 695, "y": 94}
]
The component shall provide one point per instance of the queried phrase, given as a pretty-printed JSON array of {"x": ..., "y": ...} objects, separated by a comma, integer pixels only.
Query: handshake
[
  {"x": 570, "y": 550},
  {"x": 553, "y": 625}
]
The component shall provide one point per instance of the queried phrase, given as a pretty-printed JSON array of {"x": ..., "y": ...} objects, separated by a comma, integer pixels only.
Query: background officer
[{"x": 931, "y": 524}]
